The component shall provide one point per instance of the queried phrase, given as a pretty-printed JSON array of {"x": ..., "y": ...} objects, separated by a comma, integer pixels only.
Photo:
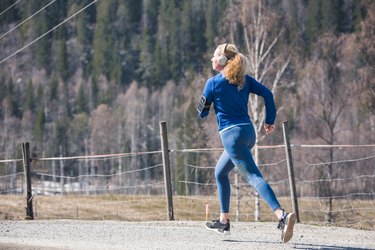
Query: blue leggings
[{"x": 237, "y": 142}]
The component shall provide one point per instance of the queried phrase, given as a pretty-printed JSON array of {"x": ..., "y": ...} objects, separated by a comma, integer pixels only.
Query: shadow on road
[{"x": 300, "y": 245}]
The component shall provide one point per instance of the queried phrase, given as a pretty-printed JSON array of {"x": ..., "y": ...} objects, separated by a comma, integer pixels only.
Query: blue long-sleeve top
[{"x": 231, "y": 104}]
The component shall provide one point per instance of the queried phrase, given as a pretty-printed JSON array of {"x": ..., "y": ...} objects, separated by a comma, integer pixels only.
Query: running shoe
[
  {"x": 219, "y": 227},
  {"x": 286, "y": 225}
]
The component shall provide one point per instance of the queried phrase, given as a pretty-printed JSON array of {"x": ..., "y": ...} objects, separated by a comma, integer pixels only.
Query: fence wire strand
[
  {"x": 10, "y": 7},
  {"x": 27, "y": 19}
]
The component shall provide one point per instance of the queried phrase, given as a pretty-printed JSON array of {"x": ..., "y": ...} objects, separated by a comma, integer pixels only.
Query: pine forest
[{"x": 86, "y": 77}]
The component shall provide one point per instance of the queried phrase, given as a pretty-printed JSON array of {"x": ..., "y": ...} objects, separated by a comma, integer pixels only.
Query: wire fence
[{"x": 334, "y": 184}]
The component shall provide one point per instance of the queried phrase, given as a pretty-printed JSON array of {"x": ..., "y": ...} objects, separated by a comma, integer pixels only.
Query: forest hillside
[{"x": 103, "y": 80}]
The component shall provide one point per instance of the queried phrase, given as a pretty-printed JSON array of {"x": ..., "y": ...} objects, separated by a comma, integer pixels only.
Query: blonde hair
[{"x": 236, "y": 68}]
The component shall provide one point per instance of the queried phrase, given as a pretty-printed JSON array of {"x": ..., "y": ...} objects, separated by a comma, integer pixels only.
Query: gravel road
[{"x": 73, "y": 234}]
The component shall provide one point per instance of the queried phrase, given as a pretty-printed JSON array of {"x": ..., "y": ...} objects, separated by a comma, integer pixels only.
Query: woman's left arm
[
  {"x": 206, "y": 100},
  {"x": 269, "y": 102}
]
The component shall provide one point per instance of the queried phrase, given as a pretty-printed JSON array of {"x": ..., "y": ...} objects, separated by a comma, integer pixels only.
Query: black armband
[{"x": 203, "y": 104}]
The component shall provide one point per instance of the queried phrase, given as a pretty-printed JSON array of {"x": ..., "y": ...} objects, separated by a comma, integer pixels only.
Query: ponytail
[{"x": 235, "y": 70}]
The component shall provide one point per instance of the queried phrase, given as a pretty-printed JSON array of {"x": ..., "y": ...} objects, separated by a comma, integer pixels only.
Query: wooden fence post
[
  {"x": 27, "y": 166},
  {"x": 166, "y": 169},
  {"x": 289, "y": 160}
]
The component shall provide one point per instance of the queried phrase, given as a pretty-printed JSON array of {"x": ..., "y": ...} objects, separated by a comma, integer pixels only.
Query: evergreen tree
[
  {"x": 40, "y": 117},
  {"x": 82, "y": 29},
  {"x": 12, "y": 103},
  {"x": 25, "y": 12},
  {"x": 211, "y": 20},
  {"x": 146, "y": 67},
  {"x": 56, "y": 13},
  {"x": 313, "y": 23},
  {"x": 11, "y": 15},
  {"x": 29, "y": 98},
  {"x": 150, "y": 13},
  {"x": 174, "y": 41},
  {"x": 40, "y": 95},
  {"x": 346, "y": 15},
  {"x": 115, "y": 42},
  {"x": 161, "y": 65},
  {"x": 135, "y": 11},
  {"x": 127, "y": 22},
  {"x": 193, "y": 28},
  {"x": 214, "y": 13},
  {"x": 292, "y": 27},
  {"x": 62, "y": 59},
  {"x": 54, "y": 89},
  {"x": 101, "y": 45},
  {"x": 167, "y": 52},
  {"x": 94, "y": 93},
  {"x": 3, "y": 88},
  {"x": 43, "y": 46},
  {"x": 61, "y": 128},
  {"x": 358, "y": 15},
  {"x": 81, "y": 101},
  {"x": 85, "y": 35},
  {"x": 330, "y": 16},
  {"x": 39, "y": 124},
  {"x": 78, "y": 133}
]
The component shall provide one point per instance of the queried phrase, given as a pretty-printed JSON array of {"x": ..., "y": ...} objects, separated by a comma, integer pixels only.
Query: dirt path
[{"x": 72, "y": 234}]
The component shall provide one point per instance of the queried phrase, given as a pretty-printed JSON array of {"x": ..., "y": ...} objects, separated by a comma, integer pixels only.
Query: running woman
[{"x": 229, "y": 92}]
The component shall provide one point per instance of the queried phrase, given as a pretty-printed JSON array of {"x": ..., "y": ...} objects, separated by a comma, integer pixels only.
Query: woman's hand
[{"x": 269, "y": 128}]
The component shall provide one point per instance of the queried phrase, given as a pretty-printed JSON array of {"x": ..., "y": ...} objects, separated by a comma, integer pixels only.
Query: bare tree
[
  {"x": 264, "y": 62},
  {"x": 330, "y": 91},
  {"x": 367, "y": 72}
]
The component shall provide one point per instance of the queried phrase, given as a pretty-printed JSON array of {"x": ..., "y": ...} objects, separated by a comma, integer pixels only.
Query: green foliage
[
  {"x": 162, "y": 62},
  {"x": 3, "y": 89},
  {"x": 29, "y": 98},
  {"x": 292, "y": 30},
  {"x": 211, "y": 18},
  {"x": 161, "y": 67},
  {"x": 334, "y": 16},
  {"x": 62, "y": 60},
  {"x": 54, "y": 89},
  {"x": 101, "y": 43},
  {"x": 85, "y": 36},
  {"x": 65, "y": 105},
  {"x": 194, "y": 42},
  {"x": 214, "y": 12},
  {"x": 40, "y": 117},
  {"x": 39, "y": 124},
  {"x": 82, "y": 106},
  {"x": 11, "y": 15},
  {"x": 147, "y": 66},
  {"x": 56, "y": 13},
  {"x": 61, "y": 128},
  {"x": 94, "y": 92},
  {"x": 359, "y": 14},
  {"x": 43, "y": 47},
  {"x": 12, "y": 103},
  {"x": 313, "y": 23},
  {"x": 79, "y": 133},
  {"x": 83, "y": 32}
]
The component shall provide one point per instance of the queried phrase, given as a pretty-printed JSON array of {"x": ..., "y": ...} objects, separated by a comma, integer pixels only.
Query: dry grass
[{"x": 355, "y": 213}]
